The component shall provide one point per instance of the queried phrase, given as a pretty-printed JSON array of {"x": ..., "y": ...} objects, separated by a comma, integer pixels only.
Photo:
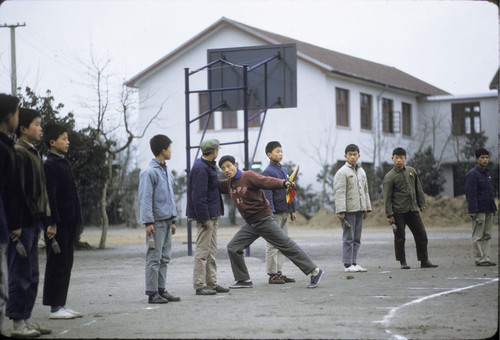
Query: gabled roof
[
  {"x": 494, "y": 82},
  {"x": 324, "y": 59}
]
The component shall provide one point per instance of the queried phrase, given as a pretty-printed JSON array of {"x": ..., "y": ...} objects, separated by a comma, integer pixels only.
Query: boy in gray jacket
[
  {"x": 352, "y": 205},
  {"x": 159, "y": 215}
]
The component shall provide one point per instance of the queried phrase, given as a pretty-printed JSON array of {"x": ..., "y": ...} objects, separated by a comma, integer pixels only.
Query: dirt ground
[{"x": 458, "y": 300}]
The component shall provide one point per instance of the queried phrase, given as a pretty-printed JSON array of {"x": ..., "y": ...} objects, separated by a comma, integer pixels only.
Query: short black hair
[
  {"x": 226, "y": 158},
  {"x": 482, "y": 151},
  {"x": 271, "y": 146},
  {"x": 26, "y": 117},
  {"x": 52, "y": 132},
  {"x": 159, "y": 143},
  {"x": 399, "y": 151},
  {"x": 8, "y": 105},
  {"x": 351, "y": 148}
]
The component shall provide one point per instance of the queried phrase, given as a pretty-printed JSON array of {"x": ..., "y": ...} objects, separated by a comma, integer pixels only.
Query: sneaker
[
  {"x": 62, "y": 313},
  {"x": 286, "y": 278},
  {"x": 315, "y": 279},
  {"x": 351, "y": 268},
  {"x": 360, "y": 269},
  {"x": 74, "y": 312},
  {"x": 220, "y": 289},
  {"x": 275, "y": 279},
  {"x": 404, "y": 265},
  {"x": 205, "y": 291},
  {"x": 241, "y": 284},
  {"x": 491, "y": 263},
  {"x": 38, "y": 327},
  {"x": 157, "y": 298},
  {"x": 24, "y": 331},
  {"x": 166, "y": 295}
]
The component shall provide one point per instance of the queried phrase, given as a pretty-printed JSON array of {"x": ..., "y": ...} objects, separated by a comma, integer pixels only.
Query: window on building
[
  {"x": 390, "y": 118},
  {"x": 256, "y": 121},
  {"x": 229, "y": 120},
  {"x": 203, "y": 108},
  {"x": 466, "y": 118},
  {"x": 406, "y": 111},
  {"x": 366, "y": 111},
  {"x": 342, "y": 100}
]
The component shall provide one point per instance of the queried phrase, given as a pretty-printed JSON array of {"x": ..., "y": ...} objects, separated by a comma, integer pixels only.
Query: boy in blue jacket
[
  {"x": 281, "y": 209},
  {"x": 159, "y": 215},
  {"x": 481, "y": 206}
]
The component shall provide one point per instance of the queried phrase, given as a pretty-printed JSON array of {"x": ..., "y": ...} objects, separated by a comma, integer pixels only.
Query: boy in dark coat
[
  {"x": 66, "y": 219},
  {"x": 481, "y": 206}
]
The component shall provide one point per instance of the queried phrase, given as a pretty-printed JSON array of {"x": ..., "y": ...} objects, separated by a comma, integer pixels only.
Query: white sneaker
[
  {"x": 62, "y": 313},
  {"x": 360, "y": 269},
  {"x": 351, "y": 268},
  {"x": 74, "y": 312}
]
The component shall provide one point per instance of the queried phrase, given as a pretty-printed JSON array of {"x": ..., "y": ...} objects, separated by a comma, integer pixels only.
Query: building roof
[
  {"x": 327, "y": 60},
  {"x": 494, "y": 82}
]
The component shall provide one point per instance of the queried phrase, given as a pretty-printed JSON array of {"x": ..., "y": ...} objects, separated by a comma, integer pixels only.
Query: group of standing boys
[{"x": 34, "y": 196}]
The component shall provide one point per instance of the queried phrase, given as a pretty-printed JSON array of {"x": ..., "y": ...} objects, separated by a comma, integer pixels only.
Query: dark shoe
[
  {"x": 285, "y": 278},
  {"x": 492, "y": 263},
  {"x": 157, "y": 298},
  {"x": 169, "y": 296},
  {"x": 205, "y": 291},
  {"x": 220, "y": 289},
  {"x": 241, "y": 284},
  {"x": 404, "y": 265},
  {"x": 275, "y": 279},
  {"x": 483, "y": 264},
  {"x": 315, "y": 279},
  {"x": 427, "y": 264}
]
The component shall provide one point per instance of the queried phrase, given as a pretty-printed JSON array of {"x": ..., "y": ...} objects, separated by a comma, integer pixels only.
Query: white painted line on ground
[
  {"x": 149, "y": 308},
  {"x": 90, "y": 322},
  {"x": 387, "y": 318}
]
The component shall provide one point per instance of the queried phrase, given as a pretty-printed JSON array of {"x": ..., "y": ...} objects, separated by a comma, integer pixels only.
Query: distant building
[{"x": 341, "y": 100}]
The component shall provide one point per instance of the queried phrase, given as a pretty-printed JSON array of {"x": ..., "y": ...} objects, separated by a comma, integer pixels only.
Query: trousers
[
  {"x": 205, "y": 267},
  {"x": 274, "y": 257},
  {"x": 268, "y": 229},
  {"x": 481, "y": 236},
  {"x": 414, "y": 222},
  {"x": 351, "y": 237},
  {"x": 157, "y": 259}
]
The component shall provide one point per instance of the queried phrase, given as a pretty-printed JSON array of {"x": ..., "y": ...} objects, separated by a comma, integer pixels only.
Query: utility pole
[{"x": 13, "y": 74}]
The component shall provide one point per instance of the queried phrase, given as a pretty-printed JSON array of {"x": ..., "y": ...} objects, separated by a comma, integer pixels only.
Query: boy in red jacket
[{"x": 245, "y": 188}]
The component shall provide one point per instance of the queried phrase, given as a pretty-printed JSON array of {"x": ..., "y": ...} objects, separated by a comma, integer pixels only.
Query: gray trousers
[
  {"x": 4, "y": 290},
  {"x": 351, "y": 237},
  {"x": 268, "y": 229},
  {"x": 157, "y": 259}
]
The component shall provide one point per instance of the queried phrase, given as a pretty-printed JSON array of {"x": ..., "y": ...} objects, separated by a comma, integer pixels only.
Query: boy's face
[
  {"x": 276, "y": 155},
  {"x": 34, "y": 132},
  {"x": 352, "y": 157},
  {"x": 229, "y": 169},
  {"x": 399, "y": 161},
  {"x": 61, "y": 144},
  {"x": 483, "y": 160},
  {"x": 167, "y": 153},
  {"x": 13, "y": 121}
]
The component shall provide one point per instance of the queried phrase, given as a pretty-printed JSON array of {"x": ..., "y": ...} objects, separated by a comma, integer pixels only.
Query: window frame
[
  {"x": 406, "y": 115},
  {"x": 365, "y": 111},
  {"x": 342, "y": 107}
]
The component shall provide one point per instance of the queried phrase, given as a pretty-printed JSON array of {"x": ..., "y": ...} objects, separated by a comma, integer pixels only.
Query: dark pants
[
  {"x": 270, "y": 231},
  {"x": 23, "y": 274},
  {"x": 413, "y": 221},
  {"x": 58, "y": 266}
]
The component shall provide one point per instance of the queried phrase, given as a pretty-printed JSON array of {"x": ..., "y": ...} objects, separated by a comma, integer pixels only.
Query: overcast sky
[{"x": 453, "y": 45}]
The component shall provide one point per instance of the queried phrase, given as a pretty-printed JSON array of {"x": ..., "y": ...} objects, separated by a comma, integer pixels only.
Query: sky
[{"x": 453, "y": 45}]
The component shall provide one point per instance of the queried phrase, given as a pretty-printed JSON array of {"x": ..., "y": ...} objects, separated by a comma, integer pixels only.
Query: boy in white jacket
[{"x": 352, "y": 205}]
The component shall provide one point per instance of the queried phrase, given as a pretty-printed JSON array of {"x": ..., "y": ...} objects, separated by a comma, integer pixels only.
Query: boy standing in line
[
  {"x": 23, "y": 271},
  {"x": 352, "y": 205},
  {"x": 158, "y": 213},
  {"x": 205, "y": 206},
  {"x": 281, "y": 211},
  {"x": 481, "y": 206},
  {"x": 9, "y": 193},
  {"x": 245, "y": 188},
  {"x": 65, "y": 217},
  {"x": 404, "y": 197}
]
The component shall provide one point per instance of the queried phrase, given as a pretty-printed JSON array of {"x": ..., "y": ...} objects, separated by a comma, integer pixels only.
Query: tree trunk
[{"x": 104, "y": 203}]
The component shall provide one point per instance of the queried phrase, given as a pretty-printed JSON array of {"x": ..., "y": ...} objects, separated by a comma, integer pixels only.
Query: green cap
[{"x": 208, "y": 146}]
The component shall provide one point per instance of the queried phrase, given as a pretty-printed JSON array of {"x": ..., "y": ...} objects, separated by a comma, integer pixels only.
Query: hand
[
  {"x": 51, "y": 231},
  {"x": 365, "y": 214},
  {"x": 341, "y": 216},
  {"x": 15, "y": 234},
  {"x": 473, "y": 215},
  {"x": 495, "y": 213},
  {"x": 293, "y": 216},
  {"x": 391, "y": 219},
  {"x": 290, "y": 184},
  {"x": 174, "y": 229},
  {"x": 422, "y": 209},
  {"x": 150, "y": 229},
  {"x": 204, "y": 225}
]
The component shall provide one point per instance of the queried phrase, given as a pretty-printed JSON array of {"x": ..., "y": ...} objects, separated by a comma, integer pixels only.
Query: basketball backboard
[{"x": 277, "y": 77}]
